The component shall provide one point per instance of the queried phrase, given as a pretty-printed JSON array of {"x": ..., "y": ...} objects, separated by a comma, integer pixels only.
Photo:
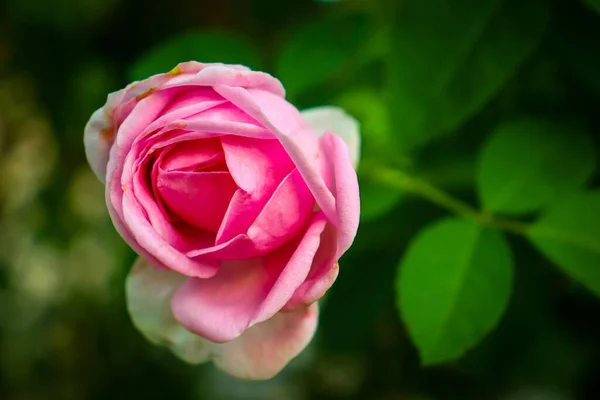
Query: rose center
[{"x": 194, "y": 183}]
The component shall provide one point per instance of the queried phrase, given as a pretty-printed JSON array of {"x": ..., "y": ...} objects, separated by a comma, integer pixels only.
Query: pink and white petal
[
  {"x": 145, "y": 112},
  {"x": 266, "y": 348},
  {"x": 294, "y": 134},
  {"x": 345, "y": 189},
  {"x": 336, "y": 120},
  {"x": 215, "y": 74},
  {"x": 149, "y": 291},
  {"x": 259, "y": 353},
  {"x": 100, "y": 131},
  {"x": 98, "y": 138},
  {"x": 246, "y": 292}
]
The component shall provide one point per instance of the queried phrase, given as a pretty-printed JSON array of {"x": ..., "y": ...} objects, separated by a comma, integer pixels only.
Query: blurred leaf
[
  {"x": 569, "y": 235},
  {"x": 196, "y": 46},
  {"x": 453, "y": 285},
  {"x": 527, "y": 163},
  {"x": 595, "y": 4},
  {"x": 368, "y": 107},
  {"x": 450, "y": 57},
  {"x": 377, "y": 199},
  {"x": 317, "y": 50}
]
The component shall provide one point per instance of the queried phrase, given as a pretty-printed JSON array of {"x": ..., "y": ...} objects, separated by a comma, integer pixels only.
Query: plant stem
[{"x": 419, "y": 187}]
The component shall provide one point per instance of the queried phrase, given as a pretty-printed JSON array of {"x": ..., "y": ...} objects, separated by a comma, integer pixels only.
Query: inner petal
[
  {"x": 195, "y": 155},
  {"x": 257, "y": 167},
  {"x": 199, "y": 198},
  {"x": 188, "y": 97}
]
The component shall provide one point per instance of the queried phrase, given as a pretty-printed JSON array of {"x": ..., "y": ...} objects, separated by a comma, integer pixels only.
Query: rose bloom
[{"x": 238, "y": 205}]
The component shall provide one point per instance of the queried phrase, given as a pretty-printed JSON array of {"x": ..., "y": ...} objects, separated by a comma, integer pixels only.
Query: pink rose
[{"x": 238, "y": 204}]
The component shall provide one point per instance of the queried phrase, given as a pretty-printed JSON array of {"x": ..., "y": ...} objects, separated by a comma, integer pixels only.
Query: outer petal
[
  {"x": 335, "y": 119},
  {"x": 266, "y": 348},
  {"x": 97, "y": 139},
  {"x": 222, "y": 74},
  {"x": 323, "y": 272},
  {"x": 149, "y": 291},
  {"x": 345, "y": 188},
  {"x": 100, "y": 131},
  {"x": 244, "y": 293},
  {"x": 260, "y": 353}
]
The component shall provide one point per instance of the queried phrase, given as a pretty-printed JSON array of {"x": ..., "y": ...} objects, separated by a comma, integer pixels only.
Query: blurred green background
[{"x": 476, "y": 270}]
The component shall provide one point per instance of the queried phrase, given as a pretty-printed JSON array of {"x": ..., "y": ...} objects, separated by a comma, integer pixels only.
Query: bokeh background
[{"x": 433, "y": 82}]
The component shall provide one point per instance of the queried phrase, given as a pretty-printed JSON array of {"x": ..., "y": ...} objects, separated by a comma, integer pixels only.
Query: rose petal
[
  {"x": 263, "y": 225},
  {"x": 188, "y": 98},
  {"x": 152, "y": 246},
  {"x": 323, "y": 272},
  {"x": 266, "y": 348},
  {"x": 149, "y": 292},
  {"x": 345, "y": 187},
  {"x": 225, "y": 112},
  {"x": 198, "y": 198},
  {"x": 97, "y": 139},
  {"x": 258, "y": 167},
  {"x": 286, "y": 212},
  {"x": 259, "y": 353},
  {"x": 286, "y": 123},
  {"x": 246, "y": 292},
  {"x": 164, "y": 253},
  {"x": 212, "y": 75},
  {"x": 334, "y": 119},
  {"x": 100, "y": 131},
  {"x": 193, "y": 155}
]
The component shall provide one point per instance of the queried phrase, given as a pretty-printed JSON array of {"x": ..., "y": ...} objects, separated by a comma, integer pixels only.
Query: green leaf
[
  {"x": 527, "y": 163},
  {"x": 317, "y": 50},
  {"x": 569, "y": 235},
  {"x": 377, "y": 199},
  {"x": 195, "y": 46},
  {"x": 453, "y": 286},
  {"x": 449, "y": 58}
]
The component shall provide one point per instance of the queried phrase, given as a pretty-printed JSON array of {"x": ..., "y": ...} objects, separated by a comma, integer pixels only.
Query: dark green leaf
[
  {"x": 450, "y": 57},
  {"x": 569, "y": 235},
  {"x": 316, "y": 51},
  {"x": 527, "y": 163},
  {"x": 197, "y": 46},
  {"x": 453, "y": 286}
]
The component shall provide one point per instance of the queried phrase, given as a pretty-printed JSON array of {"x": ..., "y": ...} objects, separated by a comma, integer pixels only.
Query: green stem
[{"x": 419, "y": 187}]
